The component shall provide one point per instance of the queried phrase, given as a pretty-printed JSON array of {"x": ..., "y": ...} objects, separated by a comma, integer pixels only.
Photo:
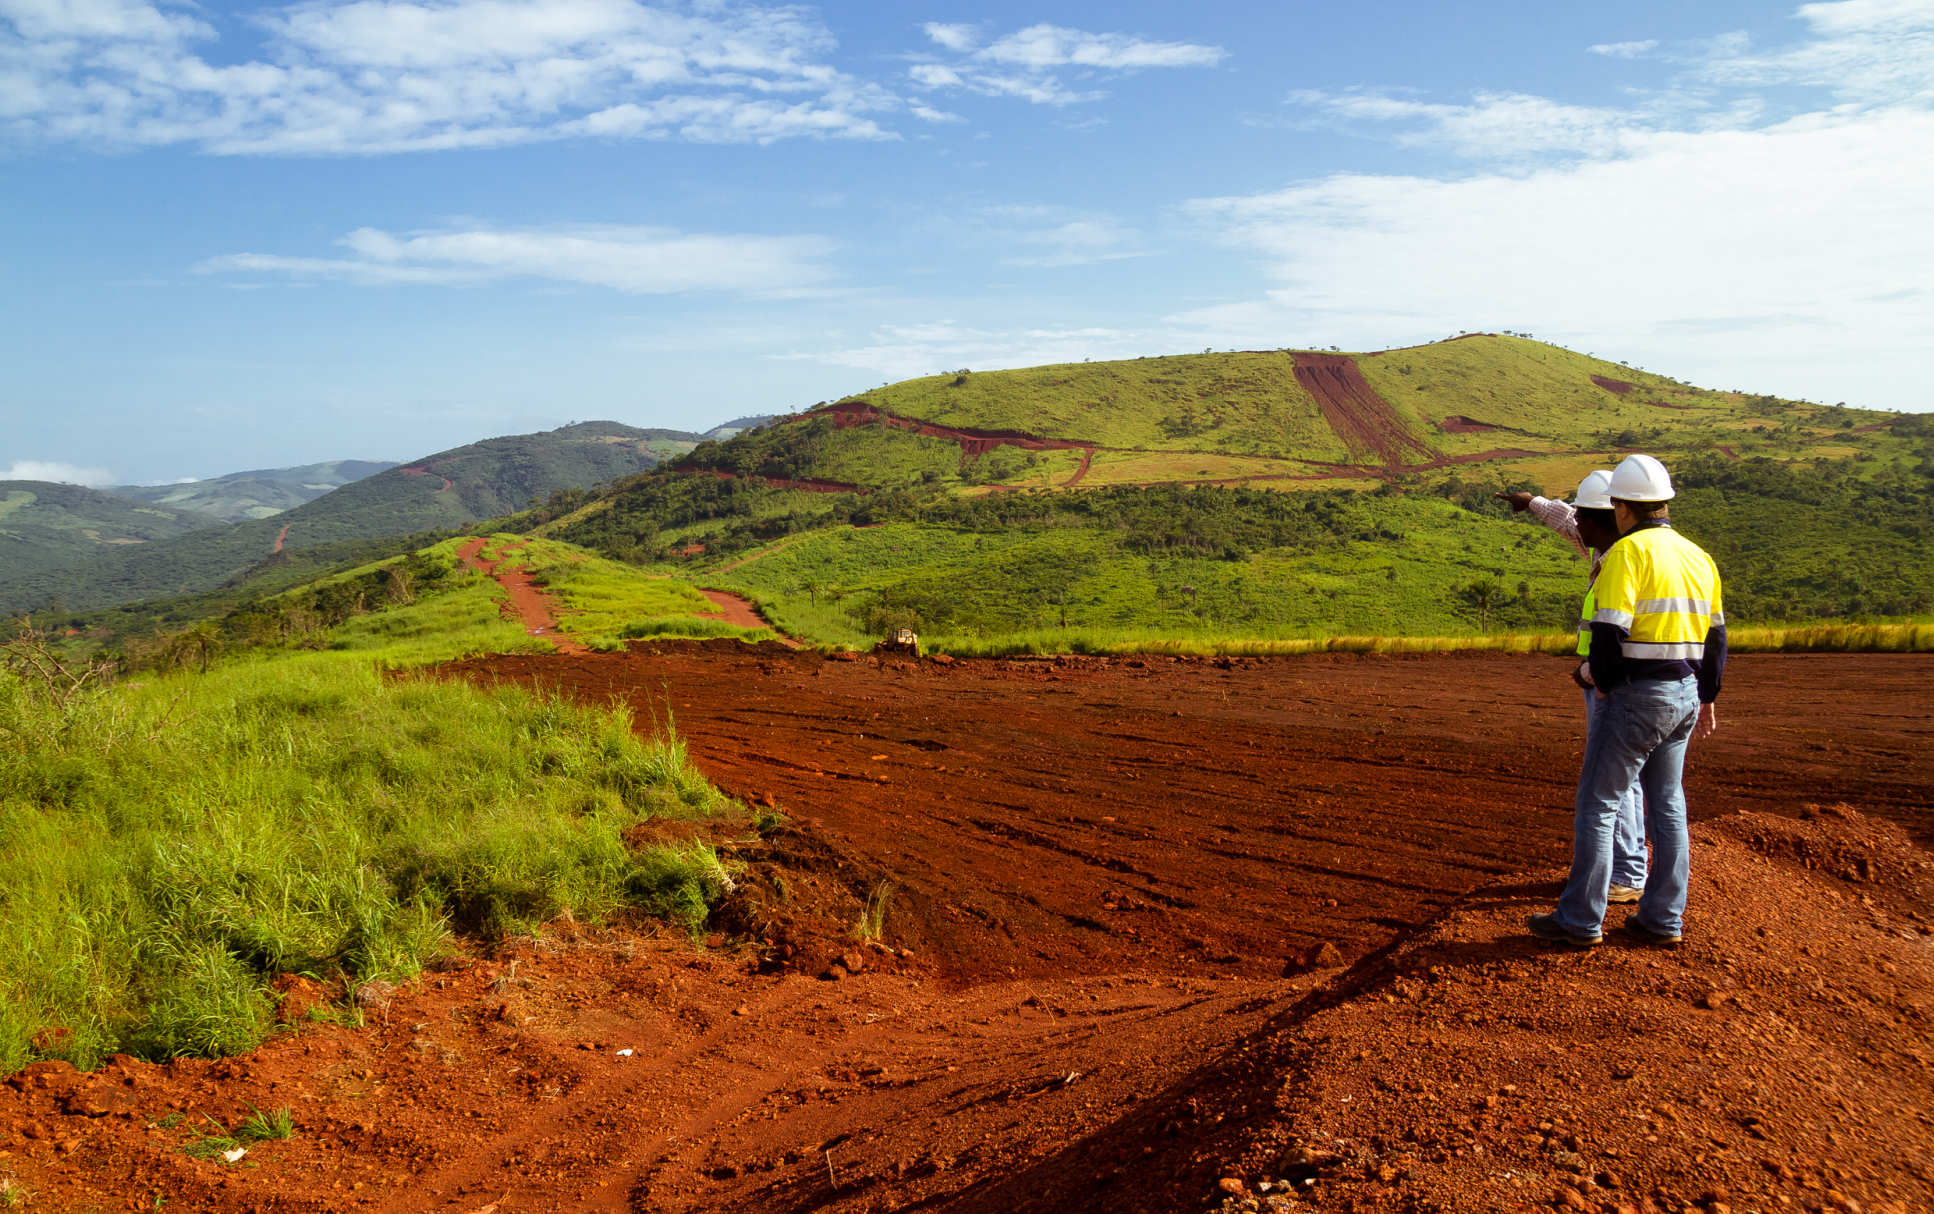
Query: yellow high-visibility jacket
[{"x": 1662, "y": 591}]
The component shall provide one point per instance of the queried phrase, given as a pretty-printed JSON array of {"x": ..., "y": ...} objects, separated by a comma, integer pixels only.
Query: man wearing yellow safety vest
[
  {"x": 1656, "y": 656},
  {"x": 1588, "y": 522}
]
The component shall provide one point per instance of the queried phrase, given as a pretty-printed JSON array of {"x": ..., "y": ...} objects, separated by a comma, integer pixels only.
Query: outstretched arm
[{"x": 1559, "y": 516}]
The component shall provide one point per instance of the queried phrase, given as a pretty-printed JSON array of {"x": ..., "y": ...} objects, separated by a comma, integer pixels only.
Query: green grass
[
  {"x": 1245, "y": 403},
  {"x": 167, "y": 848},
  {"x": 263, "y": 1125},
  {"x": 967, "y": 589}
]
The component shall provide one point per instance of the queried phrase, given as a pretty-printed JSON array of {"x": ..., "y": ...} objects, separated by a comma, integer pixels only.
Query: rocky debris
[{"x": 1321, "y": 956}]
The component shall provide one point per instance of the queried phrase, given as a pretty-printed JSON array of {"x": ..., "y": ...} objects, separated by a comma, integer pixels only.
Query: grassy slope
[
  {"x": 170, "y": 845},
  {"x": 974, "y": 586},
  {"x": 45, "y": 526},
  {"x": 1232, "y": 416},
  {"x": 1246, "y": 403}
]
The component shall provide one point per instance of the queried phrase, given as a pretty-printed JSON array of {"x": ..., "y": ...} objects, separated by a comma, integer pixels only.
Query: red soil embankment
[
  {"x": 1617, "y": 387},
  {"x": 1366, "y": 422},
  {"x": 280, "y": 537},
  {"x": 527, "y": 602}
]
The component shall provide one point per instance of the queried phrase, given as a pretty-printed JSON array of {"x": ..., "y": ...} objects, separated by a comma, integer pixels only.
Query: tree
[{"x": 1482, "y": 593}]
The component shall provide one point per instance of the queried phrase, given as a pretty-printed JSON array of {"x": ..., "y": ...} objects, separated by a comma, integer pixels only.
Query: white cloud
[
  {"x": 1777, "y": 254},
  {"x": 641, "y": 260},
  {"x": 369, "y": 76},
  {"x": 1490, "y": 125},
  {"x": 1624, "y": 50},
  {"x": 904, "y": 351},
  {"x": 53, "y": 470},
  {"x": 952, "y": 37},
  {"x": 1031, "y": 63},
  {"x": 1046, "y": 46}
]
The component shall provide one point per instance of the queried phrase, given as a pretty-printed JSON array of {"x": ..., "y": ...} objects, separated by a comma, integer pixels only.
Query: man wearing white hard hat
[
  {"x": 1657, "y": 654},
  {"x": 1589, "y": 522}
]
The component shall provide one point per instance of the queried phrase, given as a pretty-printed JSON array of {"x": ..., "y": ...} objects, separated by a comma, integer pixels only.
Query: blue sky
[{"x": 261, "y": 236}]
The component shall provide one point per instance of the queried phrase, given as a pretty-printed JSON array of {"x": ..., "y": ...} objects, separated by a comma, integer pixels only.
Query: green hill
[
  {"x": 46, "y": 526},
  {"x": 438, "y": 493},
  {"x": 1166, "y": 512},
  {"x": 240, "y": 496}
]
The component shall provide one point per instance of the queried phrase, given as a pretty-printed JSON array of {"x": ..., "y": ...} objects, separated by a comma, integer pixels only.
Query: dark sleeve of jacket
[
  {"x": 1712, "y": 667},
  {"x": 1607, "y": 656}
]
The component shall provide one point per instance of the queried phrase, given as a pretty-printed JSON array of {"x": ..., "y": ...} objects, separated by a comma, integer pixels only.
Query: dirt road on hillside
[
  {"x": 1153, "y": 929},
  {"x": 526, "y": 603}
]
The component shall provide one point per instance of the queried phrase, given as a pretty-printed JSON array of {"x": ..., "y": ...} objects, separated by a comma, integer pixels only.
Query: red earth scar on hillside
[
  {"x": 419, "y": 471},
  {"x": 1356, "y": 413},
  {"x": 972, "y": 441},
  {"x": 527, "y": 603},
  {"x": 280, "y": 536},
  {"x": 1616, "y": 386}
]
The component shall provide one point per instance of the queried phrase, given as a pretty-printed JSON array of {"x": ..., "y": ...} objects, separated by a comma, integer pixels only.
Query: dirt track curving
[
  {"x": 528, "y": 604},
  {"x": 1098, "y": 875},
  {"x": 1359, "y": 416}
]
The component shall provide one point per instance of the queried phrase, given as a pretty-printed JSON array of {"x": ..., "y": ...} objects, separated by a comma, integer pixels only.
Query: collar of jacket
[{"x": 1647, "y": 525}]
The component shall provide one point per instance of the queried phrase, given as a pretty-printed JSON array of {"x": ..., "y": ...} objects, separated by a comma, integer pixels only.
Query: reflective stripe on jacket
[{"x": 1662, "y": 591}]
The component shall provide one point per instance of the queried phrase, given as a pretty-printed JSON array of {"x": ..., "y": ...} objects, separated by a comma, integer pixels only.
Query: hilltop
[
  {"x": 1263, "y": 494},
  {"x": 436, "y": 493}
]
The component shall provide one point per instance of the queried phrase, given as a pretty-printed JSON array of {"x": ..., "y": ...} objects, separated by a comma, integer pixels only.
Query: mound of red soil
[
  {"x": 1095, "y": 874},
  {"x": 1616, "y": 386}
]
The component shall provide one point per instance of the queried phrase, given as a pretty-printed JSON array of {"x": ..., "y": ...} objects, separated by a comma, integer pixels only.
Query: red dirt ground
[
  {"x": 1464, "y": 425},
  {"x": 1103, "y": 983},
  {"x": 1617, "y": 387},
  {"x": 1359, "y": 416},
  {"x": 280, "y": 536}
]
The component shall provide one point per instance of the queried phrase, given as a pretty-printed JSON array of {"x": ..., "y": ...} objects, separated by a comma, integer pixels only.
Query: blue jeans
[
  {"x": 1628, "y": 840},
  {"x": 1641, "y": 731}
]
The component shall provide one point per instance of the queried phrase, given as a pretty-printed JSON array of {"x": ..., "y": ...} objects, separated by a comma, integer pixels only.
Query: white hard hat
[
  {"x": 1593, "y": 491},
  {"x": 1640, "y": 478}
]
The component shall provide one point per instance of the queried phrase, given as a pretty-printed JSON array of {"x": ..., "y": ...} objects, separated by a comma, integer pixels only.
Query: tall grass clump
[{"x": 167, "y": 848}]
